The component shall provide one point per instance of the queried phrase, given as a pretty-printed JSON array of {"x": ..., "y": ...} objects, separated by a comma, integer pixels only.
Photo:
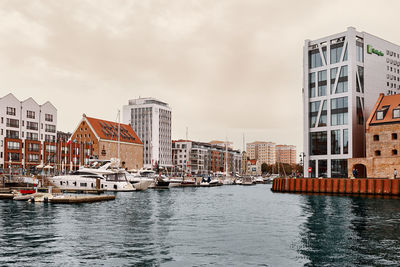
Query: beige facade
[
  {"x": 263, "y": 152},
  {"x": 286, "y": 154}
]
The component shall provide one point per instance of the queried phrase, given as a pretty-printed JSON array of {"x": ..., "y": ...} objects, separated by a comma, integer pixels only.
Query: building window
[
  {"x": 12, "y": 134},
  {"x": 394, "y": 152},
  {"x": 48, "y": 117},
  {"x": 318, "y": 143},
  {"x": 311, "y": 85},
  {"x": 13, "y": 156},
  {"x": 12, "y": 123},
  {"x": 314, "y": 58},
  {"x": 32, "y": 125},
  {"x": 396, "y": 113},
  {"x": 10, "y": 111},
  {"x": 33, "y": 147},
  {"x": 376, "y": 137},
  {"x": 335, "y": 142},
  {"x": 360, "y": 51},
  {"x": 380, "y": 114},
  {"x": 339, "y": 110},
  {"x": 345, "y": 141},
  {"x": 339, "y": 168},
  {"x": 394, "y": 136},
  {"x": 336, "y": 52},
  {"x": 13, "y": 145},
  {"x": 50, "y": 128},
  {"x": 359, "y": 110},
  {"x": 342, "y": 85},
  {"x": 322, "y": 82},
  {"x": 312, "y": 166},
  {"x": 377, "y": 153},
  {"x": 323, "y": 168},
  {"x": 30, "y": 114},
  {"x": 333, "y": 78},
  {"x": 314, "y": 108},
  {"x": 323, "y": 117}
]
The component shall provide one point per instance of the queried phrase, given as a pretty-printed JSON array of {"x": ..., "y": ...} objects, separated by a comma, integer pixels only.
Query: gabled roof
[
  {"x": 108, "y": 130},
  {"x": 385, "y": 104}
]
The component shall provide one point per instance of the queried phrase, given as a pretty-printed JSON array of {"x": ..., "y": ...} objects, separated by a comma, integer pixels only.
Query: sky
[{"x": 227, "y": 68}]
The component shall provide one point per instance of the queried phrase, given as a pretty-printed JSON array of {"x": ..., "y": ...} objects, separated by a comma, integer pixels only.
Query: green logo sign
[{"x": 371, "y": 50}]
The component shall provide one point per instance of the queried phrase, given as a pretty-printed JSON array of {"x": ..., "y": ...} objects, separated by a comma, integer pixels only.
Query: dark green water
[{"x": 221, "y": 226}]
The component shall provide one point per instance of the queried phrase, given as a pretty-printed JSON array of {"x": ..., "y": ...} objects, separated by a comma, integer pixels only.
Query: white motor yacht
[{"x": 92, "y": 179}]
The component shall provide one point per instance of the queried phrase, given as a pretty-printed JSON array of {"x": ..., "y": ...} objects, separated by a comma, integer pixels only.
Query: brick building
[
  {"x": 382, "y": 140},
  {"x": 95, "y": 138}
]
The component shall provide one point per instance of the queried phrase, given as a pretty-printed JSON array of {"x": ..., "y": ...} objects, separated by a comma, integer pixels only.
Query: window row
[
  {"x": 339, "y": 142},
  {"x": 336, "y": 53},
  {"x": 338, "y": 168}
]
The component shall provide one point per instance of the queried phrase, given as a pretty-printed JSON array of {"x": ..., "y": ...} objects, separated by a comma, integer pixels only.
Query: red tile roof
[
  {"x": 387, "y": 103},
  {"x": 253, "y": 161},
  {"x": 108, "y": 130}
]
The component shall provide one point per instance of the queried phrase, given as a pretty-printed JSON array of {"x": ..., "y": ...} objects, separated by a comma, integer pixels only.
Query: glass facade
[
  {"x": 312, "y": 166},
  {"x": 322, "y": 82},
  {"x": 336, "y": 52},
  {"x": 322, "y": 119},
  {"x": 314, "y": 59},
  {"x": 311, "y": 85},
  {"x": 318, "y": 143},
  {"x": 333, "y": 78},
  {"x": 342, "y": 85},
  {"x": 323, "y": 168},
  {"x": 314, "y": 108},
  {"x": 345, "y": 141},
  {"x": 360, "y": 51},
  {"x": 335, "y": 142},
  {"x": 339, "y": 168},
  {"x": 339, "y": 111},
  {"x": 359, "y": 110}
]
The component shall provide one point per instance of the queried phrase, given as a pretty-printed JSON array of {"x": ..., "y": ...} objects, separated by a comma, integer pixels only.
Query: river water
[{"x": 219, "y": 226}]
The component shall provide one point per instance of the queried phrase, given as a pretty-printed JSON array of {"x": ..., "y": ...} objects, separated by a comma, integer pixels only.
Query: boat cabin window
[{"x": 83, "y": 184}]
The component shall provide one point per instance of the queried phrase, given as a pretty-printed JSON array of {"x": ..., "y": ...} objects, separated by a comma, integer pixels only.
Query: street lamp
[{"x": 302, "y": 156}]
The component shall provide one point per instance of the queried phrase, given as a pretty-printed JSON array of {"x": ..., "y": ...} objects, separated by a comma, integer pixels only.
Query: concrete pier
[{"x": 358, "y": 186}]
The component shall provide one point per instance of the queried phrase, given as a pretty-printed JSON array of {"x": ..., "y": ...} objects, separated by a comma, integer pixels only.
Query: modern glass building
[{"x": 343, "y": 76}]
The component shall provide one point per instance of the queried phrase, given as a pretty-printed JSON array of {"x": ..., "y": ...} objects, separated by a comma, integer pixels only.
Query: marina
[{"x": 203, "y": 226}]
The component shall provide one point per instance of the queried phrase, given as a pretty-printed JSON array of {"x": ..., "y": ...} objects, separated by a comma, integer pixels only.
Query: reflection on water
[
  {"x": 350, "y": 231},
  {"x": 222, "y": 226}
]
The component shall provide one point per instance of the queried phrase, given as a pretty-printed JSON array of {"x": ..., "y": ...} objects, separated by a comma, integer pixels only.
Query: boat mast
[
  {"x": 226, "y": 157},
  {"x": 119, "y": 134}
]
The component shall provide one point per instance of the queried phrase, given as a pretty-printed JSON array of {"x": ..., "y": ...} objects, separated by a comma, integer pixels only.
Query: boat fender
[
  {"x": 46, "y": 200},
  {"x": 32, "y": 199}
]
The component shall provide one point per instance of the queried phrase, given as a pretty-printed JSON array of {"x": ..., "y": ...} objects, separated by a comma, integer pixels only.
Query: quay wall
[{"x": 358, "y": 186}]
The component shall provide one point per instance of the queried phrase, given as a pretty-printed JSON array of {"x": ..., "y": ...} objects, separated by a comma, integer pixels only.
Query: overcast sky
[{"x": 225, "y": 67}]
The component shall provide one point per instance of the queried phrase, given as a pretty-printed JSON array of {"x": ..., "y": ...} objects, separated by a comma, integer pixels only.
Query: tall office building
[
  {"x": 27, "y": 134},
  {"x": 151, "y": 121},
  {"x": 343, "y": 76}
]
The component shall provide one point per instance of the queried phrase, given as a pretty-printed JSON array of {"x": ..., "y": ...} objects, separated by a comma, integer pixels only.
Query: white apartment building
[
  {"x": 343, "y": 75},
  {"x": 151, "y": 121},
  {"x": 26, "y": 128}
]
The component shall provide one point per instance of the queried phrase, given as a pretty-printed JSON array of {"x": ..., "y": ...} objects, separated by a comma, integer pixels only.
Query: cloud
[{"x": 225, "y": 67}]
